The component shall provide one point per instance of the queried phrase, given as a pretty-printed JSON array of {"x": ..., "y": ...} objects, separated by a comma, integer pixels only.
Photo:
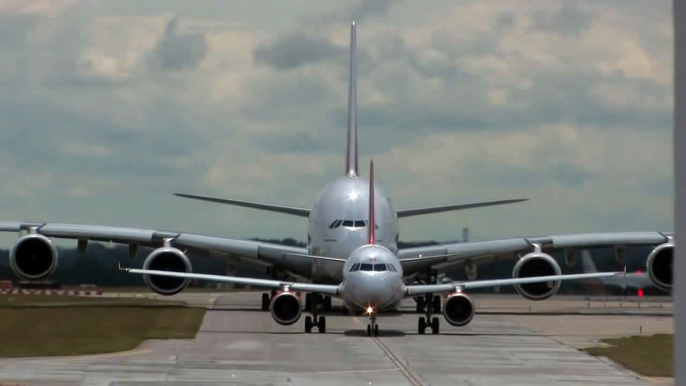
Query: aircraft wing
[
  {"x": 449, "y": 208},
  {"x": 301, "y": 212},
  {"x": 414, "y": 290},
  {"x": 253, "y": 251},
  {"x": 418, "y": 259},
  {"x": 324, "y": 289}
]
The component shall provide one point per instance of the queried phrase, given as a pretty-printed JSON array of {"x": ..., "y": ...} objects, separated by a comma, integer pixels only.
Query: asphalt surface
[{"x": 507, "y": 343}]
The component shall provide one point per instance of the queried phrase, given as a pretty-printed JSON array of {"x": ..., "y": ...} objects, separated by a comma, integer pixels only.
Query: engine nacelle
[
  {"x": 659, "y": 266},
  {"x": 532, "y": 265},
  {"x": 33, "y": 257},
  {"x": 286, "y": 308},
  {"x": 167, "y": 259},
  {"x": 458, "y": 309}
]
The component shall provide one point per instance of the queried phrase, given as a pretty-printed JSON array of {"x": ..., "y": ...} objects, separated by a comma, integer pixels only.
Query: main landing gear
[
  {"x": 314, "y": 321},
  {"x": 267, "y": 299},
  {"x": 430, "y": 304}
]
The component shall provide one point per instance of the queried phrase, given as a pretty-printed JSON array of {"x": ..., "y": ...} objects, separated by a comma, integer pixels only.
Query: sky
[{"x": 109, "y": 107}]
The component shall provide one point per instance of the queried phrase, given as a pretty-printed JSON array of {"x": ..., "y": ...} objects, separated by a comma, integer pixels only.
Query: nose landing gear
[{"x": 372, "y": 327}]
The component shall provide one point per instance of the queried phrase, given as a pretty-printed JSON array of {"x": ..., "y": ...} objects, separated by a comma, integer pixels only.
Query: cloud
[
  {"x": 569, "y": 19},
  {"x": 104, "y": 115},
  {"x": 297, "y": 49},
  {"x": 178, "y": 51},
  {"x": 362, "y": 10}
]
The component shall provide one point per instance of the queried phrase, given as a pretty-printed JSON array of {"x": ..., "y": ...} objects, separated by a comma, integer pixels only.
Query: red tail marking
[{"x": 372, "y": 221}]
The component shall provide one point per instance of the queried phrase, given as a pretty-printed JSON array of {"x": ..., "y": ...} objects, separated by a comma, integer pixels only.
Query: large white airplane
[
  {"x": 337, "y": 227},
  {"x": 372, "y": 282}
]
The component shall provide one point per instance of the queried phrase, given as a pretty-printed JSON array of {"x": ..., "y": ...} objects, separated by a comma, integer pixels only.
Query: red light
[
  {"x": 640, "y": 293},
  {"x": 639, "y": 272}
]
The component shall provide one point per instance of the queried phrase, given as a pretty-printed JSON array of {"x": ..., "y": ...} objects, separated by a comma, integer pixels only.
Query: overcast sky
[{"x": 108, "y": 107}]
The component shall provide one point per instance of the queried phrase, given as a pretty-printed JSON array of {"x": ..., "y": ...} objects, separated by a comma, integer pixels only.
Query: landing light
[
  {"x": 370, "y": 310},
  {"x": 353, "y": 195}
]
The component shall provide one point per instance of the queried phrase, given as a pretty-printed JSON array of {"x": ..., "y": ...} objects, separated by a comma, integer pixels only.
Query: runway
[{"x": 238, "y": 344}]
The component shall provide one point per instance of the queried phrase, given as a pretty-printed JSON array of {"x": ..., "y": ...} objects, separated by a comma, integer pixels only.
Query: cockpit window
[
  {"x": 355, "y": 267},
  {"x": 379, "y": 267},
  {"x": 366, "y": 267},
  {"x": 350, "y": 224},
  {"x": 391, "y": 268}
]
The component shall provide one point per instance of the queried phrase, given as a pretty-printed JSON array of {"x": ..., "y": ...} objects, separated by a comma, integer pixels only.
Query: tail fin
[
  {"x": 587, "y": 262},
  {"x": 351, "y": 163},
  {"x": 372, "y": 220}
]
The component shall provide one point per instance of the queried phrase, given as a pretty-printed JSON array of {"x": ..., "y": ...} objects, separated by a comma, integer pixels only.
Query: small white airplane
[
  {"x": 372, "y": 283},
  {"x": 627, "y": 280},
  {"x": 338, "y": 228}
]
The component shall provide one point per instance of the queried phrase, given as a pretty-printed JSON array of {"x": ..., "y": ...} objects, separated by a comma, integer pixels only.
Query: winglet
[
  {"x": 372, "y": 220},
  {"x": 351, "y": 162}
]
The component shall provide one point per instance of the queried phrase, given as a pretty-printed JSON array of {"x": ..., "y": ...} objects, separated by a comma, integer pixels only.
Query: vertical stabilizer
[
  {"x": 351, "y": 163},
  {"x": 587, "y": 262},
  {"x": 372, "y": 220}
]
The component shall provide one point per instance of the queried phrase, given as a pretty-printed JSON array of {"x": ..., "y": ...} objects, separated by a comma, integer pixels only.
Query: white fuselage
[
  {"x": 338, "y": 225},
  {"x": 372, "y": 278}
]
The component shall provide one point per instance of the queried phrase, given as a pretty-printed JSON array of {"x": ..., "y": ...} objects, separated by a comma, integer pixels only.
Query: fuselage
[
  {"x": 338, "y": 224},
  {"x": 372, "y": 279}
]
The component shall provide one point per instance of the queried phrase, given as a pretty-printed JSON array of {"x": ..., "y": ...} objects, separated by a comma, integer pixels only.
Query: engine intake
[
  {"x": 537, "y": 264},
  {"x": 33, "y": 257},
  {"x": 167, "y": 259},
  {"x": 659, "y": 266},
  {"x": 286, "y": 308},
  {"x": 458, "y": 309}
]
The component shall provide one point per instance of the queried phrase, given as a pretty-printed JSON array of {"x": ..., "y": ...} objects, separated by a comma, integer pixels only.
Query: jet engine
[
  {"x": 536, "y": 264},
  {"x": 458, "y": 309},
  {"x": 33, "y": 257},
  {"x": 659, "y": 266},
  {"x": 286, "y": 308},
  {"x": 167, "y": 259}
]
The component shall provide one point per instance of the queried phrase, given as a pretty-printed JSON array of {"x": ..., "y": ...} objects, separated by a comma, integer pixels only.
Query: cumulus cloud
[
  {"x": 554, "y": 101},
  {"x": 294, "y": 50},
  {"x": 177, "y": 51}
]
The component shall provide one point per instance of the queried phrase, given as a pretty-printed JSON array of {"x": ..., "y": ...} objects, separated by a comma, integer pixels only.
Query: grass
[
  {"x": 147, "y": 290},
  {"x": 647, "y": 355},
  {"x": 29, "y": 327},
  {"x": 33, "y": 301}
]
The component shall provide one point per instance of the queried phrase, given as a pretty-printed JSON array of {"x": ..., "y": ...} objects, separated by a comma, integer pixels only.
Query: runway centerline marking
[{"x": 406, "y": 372}]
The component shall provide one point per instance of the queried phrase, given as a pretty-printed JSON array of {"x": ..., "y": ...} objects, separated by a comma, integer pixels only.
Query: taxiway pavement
[{"x": 506, "y": 344}]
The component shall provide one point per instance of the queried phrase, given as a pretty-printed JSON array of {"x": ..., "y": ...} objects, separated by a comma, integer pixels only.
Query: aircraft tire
[
  {"x": 321, "y": 325},
  {"x": 265, "y": 302},
  {"x": 421, "y": 325},
  {"x": 308, "y": 324},
  {"x": 435, "y": 324},
  {"x": 369, "y": 330},
  {"x": 420, "y": 304},
  {"x": 376, "y": 330}
]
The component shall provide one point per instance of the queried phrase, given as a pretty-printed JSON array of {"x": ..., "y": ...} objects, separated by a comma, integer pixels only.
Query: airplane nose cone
[{"x": 375, "y": 291}]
